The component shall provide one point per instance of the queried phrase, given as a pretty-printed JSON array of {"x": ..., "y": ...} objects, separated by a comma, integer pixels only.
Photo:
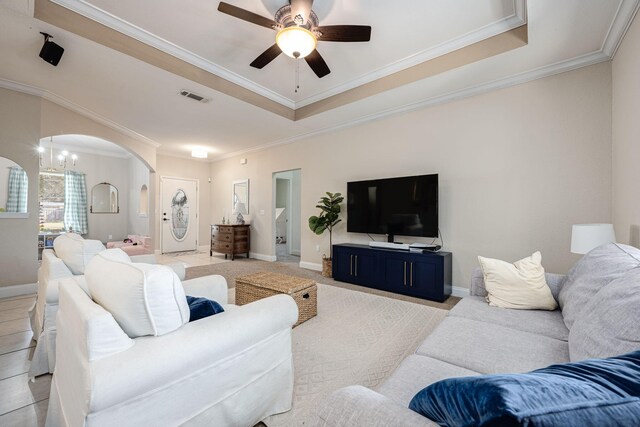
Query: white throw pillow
[
  {"x": 116, "y": 254},
  {"x": 75, "y": 251},
  {"x": 520, "y": 285},
  {"x": 145, "y": 299}
]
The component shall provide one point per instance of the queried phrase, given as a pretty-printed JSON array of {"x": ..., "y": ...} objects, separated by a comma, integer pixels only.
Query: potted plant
[{"x": 329, "y": 216}]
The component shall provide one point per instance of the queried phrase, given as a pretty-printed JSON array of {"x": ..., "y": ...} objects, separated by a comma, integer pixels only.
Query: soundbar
[{"x": 390, "y": 245}]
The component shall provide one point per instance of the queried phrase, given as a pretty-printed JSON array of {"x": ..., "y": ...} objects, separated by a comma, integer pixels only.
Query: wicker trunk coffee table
[{"x": 253, "y": 287}]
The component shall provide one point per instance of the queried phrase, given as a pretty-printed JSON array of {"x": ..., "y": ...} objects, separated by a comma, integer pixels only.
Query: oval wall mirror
[
  {"x": 104, "y": 198},
  {"x": 14, "y": 189}
]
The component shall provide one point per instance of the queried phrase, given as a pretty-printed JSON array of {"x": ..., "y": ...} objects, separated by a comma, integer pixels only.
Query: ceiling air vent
[{"x": 193, "y": 96}]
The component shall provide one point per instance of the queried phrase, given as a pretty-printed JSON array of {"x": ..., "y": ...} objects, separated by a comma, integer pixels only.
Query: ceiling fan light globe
[{"x": 296, "y": 42}]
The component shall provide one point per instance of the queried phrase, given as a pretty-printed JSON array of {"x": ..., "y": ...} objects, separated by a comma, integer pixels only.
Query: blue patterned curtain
[
  {"x": 75, "y": 202},
  {"x": 18, "y": 190}
]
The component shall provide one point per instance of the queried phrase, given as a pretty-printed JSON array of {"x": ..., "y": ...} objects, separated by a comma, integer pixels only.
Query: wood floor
[{"x": 22, "y": 403}]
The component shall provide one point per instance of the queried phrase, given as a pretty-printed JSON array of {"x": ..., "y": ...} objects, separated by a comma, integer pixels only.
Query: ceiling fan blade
[
  {"x": 344, "y": 33},
  {"x": 317, "y": 64},
  {"x": 266, "y": 57},
  {"x": 245, "y": 15},
  {"x": 301, "y": 8}
]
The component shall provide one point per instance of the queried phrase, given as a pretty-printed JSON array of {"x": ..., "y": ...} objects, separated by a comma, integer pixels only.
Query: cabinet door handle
[
  {"x": 350, "y": 265},
  {"x": 356, "y": 265},
  {"x": 411, "y": 276},
  {"x": 405, "y": 273}
]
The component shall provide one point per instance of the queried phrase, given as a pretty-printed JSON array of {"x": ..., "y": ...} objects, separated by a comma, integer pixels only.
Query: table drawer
[
  {"x": 223, "y": 247},
  {"x": 222, "y": 237}
]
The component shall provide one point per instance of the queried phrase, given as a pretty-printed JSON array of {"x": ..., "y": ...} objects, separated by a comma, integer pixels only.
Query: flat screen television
[{"x": 405, "y": 206}]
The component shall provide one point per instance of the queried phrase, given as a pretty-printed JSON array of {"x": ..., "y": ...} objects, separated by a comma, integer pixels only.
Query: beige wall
[
  {"x": 185, "y": 168},
  {"x": 626, "y": 137},
  {"x": 517, "y": 167},
  {"x": 19, "y": 137}
]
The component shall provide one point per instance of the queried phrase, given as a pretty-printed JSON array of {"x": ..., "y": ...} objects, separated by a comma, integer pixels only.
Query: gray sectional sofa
[{"x": 599, "y": 316}]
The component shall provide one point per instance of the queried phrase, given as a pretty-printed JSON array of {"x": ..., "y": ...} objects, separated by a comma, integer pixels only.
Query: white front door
[{"x": 179, "y": 216}]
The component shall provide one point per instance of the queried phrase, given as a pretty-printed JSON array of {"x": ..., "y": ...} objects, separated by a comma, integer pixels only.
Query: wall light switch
[
  {"x": 110, "y": 236},
  {"x": 243, "y": 161},
  {"x": 261, "y": 211},
  {"x": 317, "y": 248}
]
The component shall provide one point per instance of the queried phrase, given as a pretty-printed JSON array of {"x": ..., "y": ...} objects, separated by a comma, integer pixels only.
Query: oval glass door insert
[{"x": 179, "y": 215}]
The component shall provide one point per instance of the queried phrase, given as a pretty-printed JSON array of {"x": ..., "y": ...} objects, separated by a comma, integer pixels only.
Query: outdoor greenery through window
[{"x": 51, "y": 201}]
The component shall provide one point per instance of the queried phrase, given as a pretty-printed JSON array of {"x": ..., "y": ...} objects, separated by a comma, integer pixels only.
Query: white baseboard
[
  {"x": 310, "y": 266},
  {"x": 157, "y": 252},
  {"x": 204, "y": 248},
  {"x": 457, "y": 291},
  {"x": 296, "y": 253},
  {"x": 262, "y": 257},
  {"x": 17, "y": 290}
]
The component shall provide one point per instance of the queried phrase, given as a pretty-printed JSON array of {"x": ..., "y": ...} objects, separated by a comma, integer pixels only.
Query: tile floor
[
  {"x": 22, "y": 403},
  {"x": 283, "y": 256},
  {"x": 192, "y": 259}
]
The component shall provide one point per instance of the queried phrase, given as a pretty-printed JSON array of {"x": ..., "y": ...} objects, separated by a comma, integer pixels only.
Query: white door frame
[
  {"x": 197, "y": 181},
  {"x": 290, "y": 203}
]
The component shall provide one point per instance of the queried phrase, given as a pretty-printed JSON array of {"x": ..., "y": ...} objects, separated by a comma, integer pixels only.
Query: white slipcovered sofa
[
  {"x": 70, "y": 255},
  {"x": 231, "y": 369}
]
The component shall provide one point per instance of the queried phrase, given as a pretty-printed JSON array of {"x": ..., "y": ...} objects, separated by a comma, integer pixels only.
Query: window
[{"x": 51, "y": 201}]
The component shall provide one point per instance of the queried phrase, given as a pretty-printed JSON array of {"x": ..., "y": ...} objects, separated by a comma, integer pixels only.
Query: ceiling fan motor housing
[{"x": 284, "y": 19}]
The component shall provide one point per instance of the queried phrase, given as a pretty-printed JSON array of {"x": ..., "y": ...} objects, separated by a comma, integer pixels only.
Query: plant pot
[{"x": 327, "y": 270}]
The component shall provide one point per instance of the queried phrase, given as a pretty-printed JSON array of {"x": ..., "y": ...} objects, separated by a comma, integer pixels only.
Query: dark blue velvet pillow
[
  {"x": 200, "y": 308},
  {"x": 594, "y": 392}
]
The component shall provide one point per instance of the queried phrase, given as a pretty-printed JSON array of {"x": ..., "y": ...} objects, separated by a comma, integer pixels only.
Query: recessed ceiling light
[{"x": 199, "y": 153}]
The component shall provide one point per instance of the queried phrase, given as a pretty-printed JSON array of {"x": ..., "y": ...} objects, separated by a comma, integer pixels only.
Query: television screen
[{"x": 406, "y": 206}]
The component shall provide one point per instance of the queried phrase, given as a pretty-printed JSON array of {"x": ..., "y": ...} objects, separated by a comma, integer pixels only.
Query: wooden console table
[{"x": 230, "y": 239}]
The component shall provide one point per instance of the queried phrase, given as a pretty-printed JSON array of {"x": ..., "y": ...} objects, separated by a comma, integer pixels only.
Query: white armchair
[
  {"x": 231, "y": 369},
  {"x": 43, "y": 313}
]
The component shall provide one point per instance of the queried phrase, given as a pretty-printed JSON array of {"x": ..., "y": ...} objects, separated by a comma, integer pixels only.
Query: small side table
[{"x": 230, "y": 239}]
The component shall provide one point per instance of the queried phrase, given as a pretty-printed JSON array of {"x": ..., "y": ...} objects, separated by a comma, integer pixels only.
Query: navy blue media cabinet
[{"x": 421, "y": 275}]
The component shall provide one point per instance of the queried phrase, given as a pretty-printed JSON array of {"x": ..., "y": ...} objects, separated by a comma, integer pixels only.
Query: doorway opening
[{"x": 286, "y": 214}]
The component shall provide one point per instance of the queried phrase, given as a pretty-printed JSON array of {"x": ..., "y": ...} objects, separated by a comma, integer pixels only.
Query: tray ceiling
[{"x": 141, "y": 98}]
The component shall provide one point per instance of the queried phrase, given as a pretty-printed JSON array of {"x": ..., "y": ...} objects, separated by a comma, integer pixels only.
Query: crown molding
[
  {"x": 65, "y": 103},
  {"x": 517, "y": 19},
  {"x": 21, "y": 87},
  {"x": 94, "y": 13},
  {"x": 505, "y": 82},
  {"x": 82, "y": 7},
  {"x": 627, "y": 10}
]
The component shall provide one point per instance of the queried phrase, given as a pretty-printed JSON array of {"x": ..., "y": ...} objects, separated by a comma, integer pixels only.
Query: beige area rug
[
  {"x": 356, "y": 338},
  {"x": 359, "y": 336}
]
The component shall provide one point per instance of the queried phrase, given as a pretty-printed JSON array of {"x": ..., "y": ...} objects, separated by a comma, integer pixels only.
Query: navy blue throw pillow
[
  {"x": 594, "y": 392},
  {"x": 200, "y": 308}
]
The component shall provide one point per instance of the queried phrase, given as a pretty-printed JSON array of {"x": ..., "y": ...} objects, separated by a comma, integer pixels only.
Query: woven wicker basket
[
  {"x": 304, "y": 292},
  {"x": 327, "y": 268}
]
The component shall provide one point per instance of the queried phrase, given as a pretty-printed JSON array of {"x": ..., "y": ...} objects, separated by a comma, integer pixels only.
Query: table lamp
[{"x": 585, "y": 237}]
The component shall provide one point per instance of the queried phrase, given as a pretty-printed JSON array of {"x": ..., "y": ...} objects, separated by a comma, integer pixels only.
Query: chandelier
[{"x": 62, "y": 158}]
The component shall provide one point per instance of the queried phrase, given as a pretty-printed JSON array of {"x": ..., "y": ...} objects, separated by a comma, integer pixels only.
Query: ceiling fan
[{"x": 298, "y": 33}]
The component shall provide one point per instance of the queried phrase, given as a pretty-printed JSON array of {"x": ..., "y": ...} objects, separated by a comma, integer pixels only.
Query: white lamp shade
[
  {"x": 240, "y": 209},
  {"x": 296, "y": 42},
  {"x": 585, "y": 237}
]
